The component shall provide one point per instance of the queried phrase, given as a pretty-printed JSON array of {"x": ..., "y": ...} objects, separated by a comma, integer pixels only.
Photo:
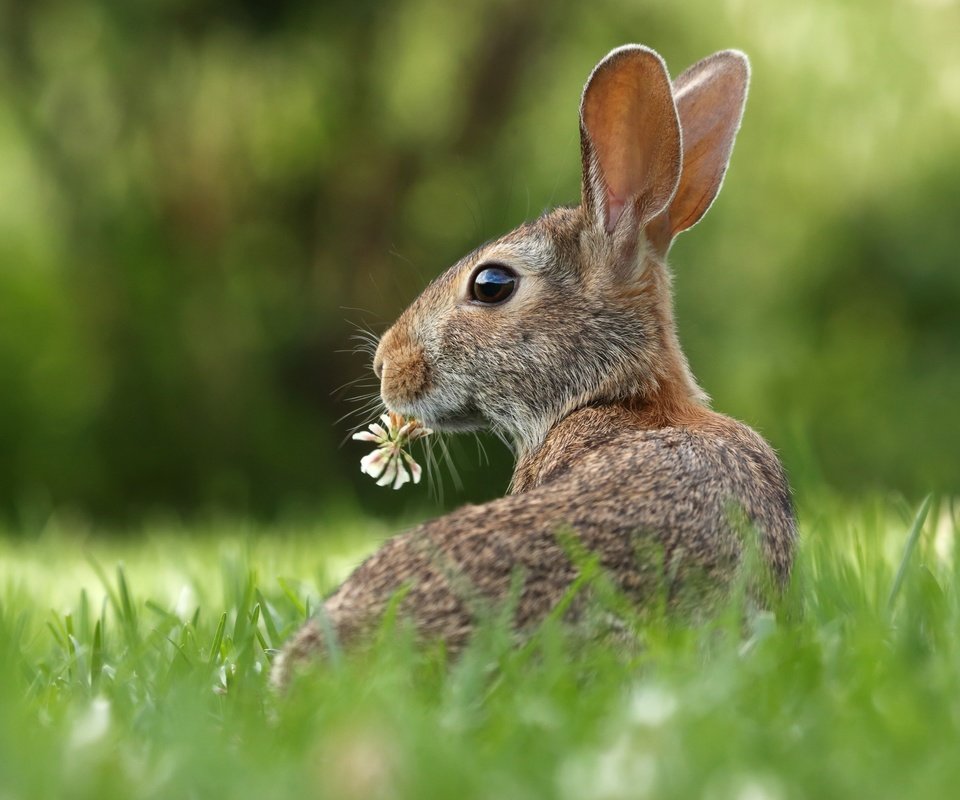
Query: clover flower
[{"x": 390, "y": 460}]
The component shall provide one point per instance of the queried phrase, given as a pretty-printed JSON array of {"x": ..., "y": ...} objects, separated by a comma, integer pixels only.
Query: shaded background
[{"x": 199, "y": 199}]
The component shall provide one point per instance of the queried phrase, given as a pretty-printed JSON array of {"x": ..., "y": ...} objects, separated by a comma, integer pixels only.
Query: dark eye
[{"x": 493, "y": 284}]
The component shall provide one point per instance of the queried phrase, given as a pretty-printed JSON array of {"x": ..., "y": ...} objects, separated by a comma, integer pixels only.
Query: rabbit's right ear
[
  {"x": 710, "y": 97},
  {"x": 629, "y": 138}
]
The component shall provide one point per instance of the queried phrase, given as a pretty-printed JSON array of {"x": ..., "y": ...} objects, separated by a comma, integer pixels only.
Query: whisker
[
  {"x": 370, "y": 398},
  {"x": 369, "y": 405},
  {"x": 366, "y": 405},
  {"x": 481, "y": 450},
  {"x": 355, "y": 429},
  {"x": 362, "y": 344},
  {"x": 364, "y": 385},
  {"x": 363, "y": 381},
  {"x": 364, "y": 335},
  {"x": 502, "y": 436},
  {"x": 454, "y": 474},
  {"x": 370, "y": 411},
  {"x": 434, "y": 480},
  {"x": 358, "y": 310},
  {"x": 362, "y": 347},
  {"x": 415, "y": 267}
]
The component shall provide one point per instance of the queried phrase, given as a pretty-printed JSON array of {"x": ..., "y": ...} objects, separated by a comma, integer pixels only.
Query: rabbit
[{"x": 560, "y": 337}]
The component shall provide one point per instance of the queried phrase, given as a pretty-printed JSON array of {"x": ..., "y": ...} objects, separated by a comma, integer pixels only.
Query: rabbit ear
[
  {"x": 629, "y": 137},
  {"x": 710, "y": 97}
]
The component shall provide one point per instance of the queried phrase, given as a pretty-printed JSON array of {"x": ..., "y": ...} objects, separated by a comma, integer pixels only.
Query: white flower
[
  {"x": 389, "y": 463},
  {"x": 652, "y": 706},
  {"x": 622, "y": 769},
  {"x": 92, "y": 725}
]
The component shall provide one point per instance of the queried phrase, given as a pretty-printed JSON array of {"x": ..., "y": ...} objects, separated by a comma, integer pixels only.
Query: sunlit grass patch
[{"x": 117, "y": 686}]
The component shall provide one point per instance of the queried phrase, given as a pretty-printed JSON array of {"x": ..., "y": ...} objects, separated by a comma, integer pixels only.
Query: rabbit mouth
[
  {"x": 459, "y": 422},
  {"x": 452, "y": 420}
]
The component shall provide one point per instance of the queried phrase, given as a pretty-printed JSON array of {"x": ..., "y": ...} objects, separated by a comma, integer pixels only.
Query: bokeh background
[{"x": 201, "y": 199}]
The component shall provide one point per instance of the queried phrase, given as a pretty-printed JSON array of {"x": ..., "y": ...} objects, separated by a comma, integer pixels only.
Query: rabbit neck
[
  {"x": 676, "y": 403},
  {"x": 589, "y": 427},
  {"x": 662, "y": 394},
  {"x": 668, "y": 392}
]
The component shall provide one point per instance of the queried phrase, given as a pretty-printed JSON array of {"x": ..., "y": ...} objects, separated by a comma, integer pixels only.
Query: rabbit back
[{"x": 660, "y": 509}]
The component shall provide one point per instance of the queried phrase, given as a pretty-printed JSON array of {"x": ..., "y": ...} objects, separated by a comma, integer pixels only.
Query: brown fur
[
  {"x": 407, "y": 374},
  {"x": 582, "y": 370}
]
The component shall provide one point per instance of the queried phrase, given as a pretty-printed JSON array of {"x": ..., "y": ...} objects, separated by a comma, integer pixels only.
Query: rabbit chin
[{"x": 448, "y": 420}]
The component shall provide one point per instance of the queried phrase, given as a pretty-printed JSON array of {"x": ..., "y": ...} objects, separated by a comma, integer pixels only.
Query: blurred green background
[{"x": 200, "y": 199}]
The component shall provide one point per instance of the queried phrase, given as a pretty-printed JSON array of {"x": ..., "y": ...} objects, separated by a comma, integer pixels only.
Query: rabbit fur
[{"x": 581, "y": 369}]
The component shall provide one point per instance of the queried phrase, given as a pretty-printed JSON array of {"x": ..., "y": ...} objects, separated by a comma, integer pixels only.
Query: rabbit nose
[{"x": 379, "y": 357}]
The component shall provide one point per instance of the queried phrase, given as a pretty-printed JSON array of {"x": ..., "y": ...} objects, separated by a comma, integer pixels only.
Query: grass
[{"x": 137, "y": 669}]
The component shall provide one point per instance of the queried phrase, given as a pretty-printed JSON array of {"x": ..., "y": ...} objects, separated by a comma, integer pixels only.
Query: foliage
[
  {"x": 199, "y": 196},
  {"x": 152, "y": 683}
]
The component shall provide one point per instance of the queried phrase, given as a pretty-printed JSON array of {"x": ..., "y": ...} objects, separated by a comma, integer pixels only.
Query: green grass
[{"x": 137, "y": 669}]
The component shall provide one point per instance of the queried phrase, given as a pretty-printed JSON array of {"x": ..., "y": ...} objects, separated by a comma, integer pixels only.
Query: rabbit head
[{"x": 575, "y": 307}]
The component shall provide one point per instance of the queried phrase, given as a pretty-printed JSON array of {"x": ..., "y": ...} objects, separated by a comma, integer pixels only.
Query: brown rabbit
[{"x": 560, "y": 336}]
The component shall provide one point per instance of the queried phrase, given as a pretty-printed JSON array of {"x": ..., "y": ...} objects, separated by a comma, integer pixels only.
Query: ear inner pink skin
[
  {"x": 710, "y": 98},
  {"x": 630, "y": 126},
  {"x": 614, "y": 210}
]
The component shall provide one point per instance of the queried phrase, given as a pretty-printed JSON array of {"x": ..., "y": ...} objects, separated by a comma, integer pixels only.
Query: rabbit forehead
[
  {"x": 527, "y": 249},
  {"x": 546, "y": 246}
]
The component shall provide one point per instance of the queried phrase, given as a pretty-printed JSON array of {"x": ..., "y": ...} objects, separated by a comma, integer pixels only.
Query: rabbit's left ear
[
  {"x": 629, "y": 138},
  {"x": 710, "y": 97}
]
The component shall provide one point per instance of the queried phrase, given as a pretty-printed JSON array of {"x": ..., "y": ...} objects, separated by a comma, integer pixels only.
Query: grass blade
[
  {"x": 96, "y": 657},
  {"x": 268, "y": 620},
  {"x": 218, "y": 640},
  {"x": 291, "y": 595},
  {"x": 912, "y": 538},
  {"x": 128, "y": 610}
]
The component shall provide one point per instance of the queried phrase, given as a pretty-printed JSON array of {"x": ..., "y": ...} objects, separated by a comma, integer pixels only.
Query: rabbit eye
[{"x": 493, "y": 285}]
